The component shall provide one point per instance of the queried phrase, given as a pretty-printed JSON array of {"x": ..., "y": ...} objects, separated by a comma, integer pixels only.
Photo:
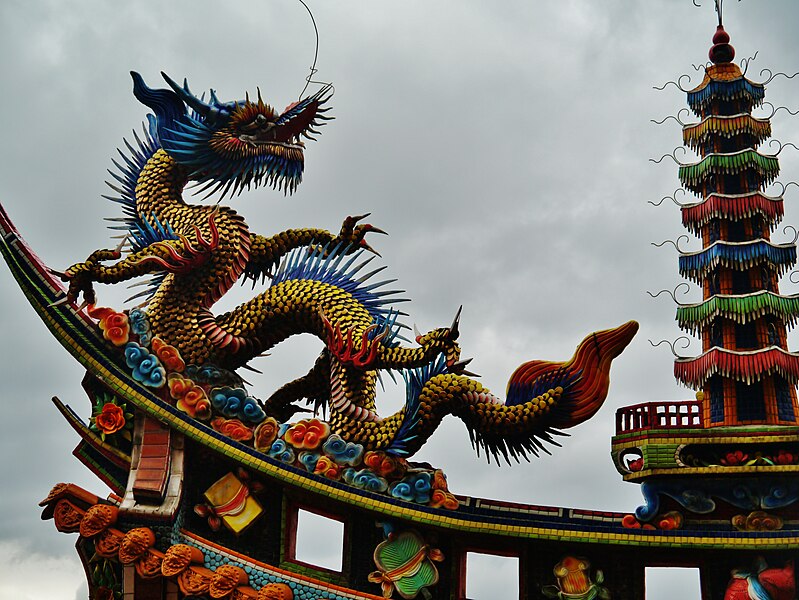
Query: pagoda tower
[
  {"x": 745, "y": 372},
  {"x": 728, "y": 459}
]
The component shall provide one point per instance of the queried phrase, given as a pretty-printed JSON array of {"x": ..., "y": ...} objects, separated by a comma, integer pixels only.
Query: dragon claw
[
  {"x": 366, "y": 228},
  {"x": 355, "y": 219},
  {"x": 459, "y": 368},
  {"x": 61, "y": 302},
  {"x": 368, "y": 248},
  {"x": 354, "y": 236},
  {"x": 60, "y": 274}
]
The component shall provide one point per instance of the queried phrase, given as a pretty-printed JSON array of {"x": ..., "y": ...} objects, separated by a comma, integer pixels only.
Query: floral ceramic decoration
[
  {"x": 405, "y": 564},
  {"x": 111, "y": 420}
]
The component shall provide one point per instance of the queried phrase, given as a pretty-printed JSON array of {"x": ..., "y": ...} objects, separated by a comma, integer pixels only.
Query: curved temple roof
[
  {"x": 736, "y": 255},
  {"x": 742, "y": 308},
  {"x": 734, "y": 207},
  {"x": 741, "y": 366}
]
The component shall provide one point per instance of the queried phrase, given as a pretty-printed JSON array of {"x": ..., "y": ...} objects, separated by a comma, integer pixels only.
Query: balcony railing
[{"x": 659, "y": 415}]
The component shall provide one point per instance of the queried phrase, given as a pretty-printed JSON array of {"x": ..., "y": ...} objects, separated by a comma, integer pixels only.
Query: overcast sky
[{"x": 504, "y": 146}]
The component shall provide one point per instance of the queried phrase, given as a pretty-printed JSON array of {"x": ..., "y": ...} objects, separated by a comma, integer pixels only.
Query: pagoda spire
[{"x": 745, "y": 372}]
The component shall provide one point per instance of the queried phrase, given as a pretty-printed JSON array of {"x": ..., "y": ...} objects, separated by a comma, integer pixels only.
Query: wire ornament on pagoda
[
  {"x": 677, "y": 84},
  {"x": 674, "y": 243},
  {"x": 676, "y": 118},
  {"x": 774, "y": 110},
  {"x": 672, "y": 293},
  {"x": 772, "y": 75},
  {"x": 782, "y": 146},
  {"x": 672, "y": 156},
  {"x": 745, "y": 62},
  {"x": 673, "y": 198},
  {"x": 673, "y": 344}
]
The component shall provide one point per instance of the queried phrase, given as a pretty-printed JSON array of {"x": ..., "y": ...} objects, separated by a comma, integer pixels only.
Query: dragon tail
[
  {"x": 587, "y": 375},
  {"x": 545, "y": 397}
]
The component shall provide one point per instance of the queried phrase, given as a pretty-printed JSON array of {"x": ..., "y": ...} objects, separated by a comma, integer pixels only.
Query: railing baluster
[{"x": 658, "y": 415}]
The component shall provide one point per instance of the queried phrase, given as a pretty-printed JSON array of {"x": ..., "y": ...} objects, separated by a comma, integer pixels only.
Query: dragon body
[{"x": 320, "y": 284}]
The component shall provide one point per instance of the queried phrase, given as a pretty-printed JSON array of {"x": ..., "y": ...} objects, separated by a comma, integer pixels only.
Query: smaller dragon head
[{"x": 230, "y": 146}]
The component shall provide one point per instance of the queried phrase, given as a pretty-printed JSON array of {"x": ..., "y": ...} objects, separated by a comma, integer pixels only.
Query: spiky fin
[{"x": 337, "y": 266}]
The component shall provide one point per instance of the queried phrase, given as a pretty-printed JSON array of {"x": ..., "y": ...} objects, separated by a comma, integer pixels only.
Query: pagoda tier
[
  {"x": 697, "y": 266},
  {"x": 732, "y": 207},
  {"x": 741, "y": 308},
  {"x": 746, "y": 374},
  {"x": 749, "y": 165},
  {"x": 721, "y": 127},
  {"x": 724, "y": 85}
]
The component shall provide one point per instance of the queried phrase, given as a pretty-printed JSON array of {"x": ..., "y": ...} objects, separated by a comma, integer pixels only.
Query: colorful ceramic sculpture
[{"x": 196, "y": 253}]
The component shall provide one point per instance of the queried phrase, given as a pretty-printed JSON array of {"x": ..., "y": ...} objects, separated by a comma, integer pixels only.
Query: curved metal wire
[
  {"x": 673, "y": 345},
  {"x": 677, "y": 84},
  {"x": 771, "y": 114},
  {"x": 784, "y": 187},
  {"x": 788, "y": 110},
  {"x": 701, "y": 67},
  {"x": 672, "y": 156},
  {"x": 677, "y": 118},
  {"x": 673, "y": 243},
  {"x": 785, "y": 145},
  {"x": 790, "y": 277},
  {"x": 673, "y": 198},
  {"x": 672, "y": 293},
  {"x": 745, "y": 62},
  {"x": 309, "y": 79},
  {"x": 719, "y": 5},
  {"x": 773, "y": 75},
  {"x": 795, "y": 233}
]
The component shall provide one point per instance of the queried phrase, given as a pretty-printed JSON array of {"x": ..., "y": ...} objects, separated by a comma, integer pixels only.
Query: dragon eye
[{"x": 261, "y": 120}]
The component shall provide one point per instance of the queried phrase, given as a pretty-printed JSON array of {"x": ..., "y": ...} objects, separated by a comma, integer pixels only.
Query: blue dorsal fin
[{"x": 330, "y": 266}]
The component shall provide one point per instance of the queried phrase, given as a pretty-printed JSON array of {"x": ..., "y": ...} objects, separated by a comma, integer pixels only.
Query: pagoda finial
[{"x": 722, "y": 51}]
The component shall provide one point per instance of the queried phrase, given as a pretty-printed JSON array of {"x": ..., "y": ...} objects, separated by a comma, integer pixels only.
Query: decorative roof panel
[
  {"x": 741, "y": 308},
  {"x": 695, "y": 134},
  {"x": 741, "y": 366},
  {"x": 734, "y": 207},
  {"x": 693, "y": 175},
  {"x": 736, "y": 255}
]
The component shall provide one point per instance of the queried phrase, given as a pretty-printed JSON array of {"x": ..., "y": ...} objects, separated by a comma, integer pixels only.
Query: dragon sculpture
[{"x": 197, "y": 252}]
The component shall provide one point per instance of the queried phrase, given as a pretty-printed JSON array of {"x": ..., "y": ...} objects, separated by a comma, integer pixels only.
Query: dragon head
[{"x": 230, "y": 146}]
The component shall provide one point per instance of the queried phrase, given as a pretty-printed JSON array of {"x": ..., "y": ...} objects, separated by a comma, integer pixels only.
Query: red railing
[{"x": 659, "y": 415}]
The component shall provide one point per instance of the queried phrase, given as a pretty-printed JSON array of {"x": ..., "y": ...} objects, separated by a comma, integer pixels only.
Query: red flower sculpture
[
  {"x": 326, "y": 467},
  {"x": 115, "y": 326},
  {"x": 734, "y": 459},
  {"x": 784, "y": 457},
  {"x": 443, "y": 499},
  {"x": 191, "y": 398},
  {"x": 636, "y": 464},
  {"x": 233, "y": 428},
  {"x": 111, "y": 419},
  {"x": 385, "y": 465},
  {"x": 168, "y": 355},
  {"x": 266, "y": 433},
  {"x": 307, "y": 434}
]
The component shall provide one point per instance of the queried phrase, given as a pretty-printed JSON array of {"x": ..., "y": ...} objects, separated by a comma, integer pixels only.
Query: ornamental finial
[{"x": 721, "y": 51}]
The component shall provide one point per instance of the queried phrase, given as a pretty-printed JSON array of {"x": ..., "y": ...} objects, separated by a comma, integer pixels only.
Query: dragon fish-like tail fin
[
  {"x": 544, "y": 397},
  {"x": 585, "y": 377}
]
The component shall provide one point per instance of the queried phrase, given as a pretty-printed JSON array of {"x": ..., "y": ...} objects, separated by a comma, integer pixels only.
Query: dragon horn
[
  {"x": 453, "y": 329},
  {"x": 187, "y": 97}
]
